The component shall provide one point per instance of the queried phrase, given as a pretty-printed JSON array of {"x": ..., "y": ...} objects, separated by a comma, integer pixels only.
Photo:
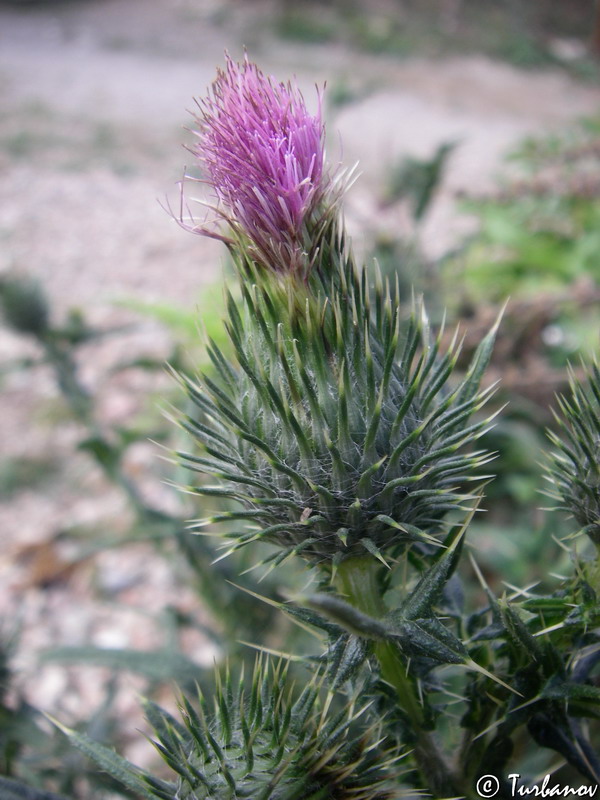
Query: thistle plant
[{"x": 336, "y": 429}]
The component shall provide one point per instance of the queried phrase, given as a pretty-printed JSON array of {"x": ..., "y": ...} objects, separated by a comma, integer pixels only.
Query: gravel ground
[{"x": 93, "y": 99}]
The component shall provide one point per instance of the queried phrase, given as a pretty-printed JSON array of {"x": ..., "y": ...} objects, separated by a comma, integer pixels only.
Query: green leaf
[
  {"x": 470, "y": 385},
  {"x": 349, "y": 617},
  {"x": 106, "y": 758},
  {"x": 582, "y": 699},
  {"x": 523, "y": 642},
  {"x": 421, "y": 600},
  {"x": 344, "y": 658},
  {"x": 177, "y": 319},
  {"x": 106, "y": 454},
  {"x": 430, "y": 639},
  {"x": 548, "y": 607},
  {"x": 15, "y": 790},
  {"x": 156, "y": 665},
  {"x": 304, "y": 617}
]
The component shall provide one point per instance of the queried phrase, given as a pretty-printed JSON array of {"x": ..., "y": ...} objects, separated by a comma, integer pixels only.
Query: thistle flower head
[
  {"x": 574, "y": 469},
  {"x": 262, "y": 744},
  {"x": 263, "y": 154},
  {"x": 339, "y": 433}
]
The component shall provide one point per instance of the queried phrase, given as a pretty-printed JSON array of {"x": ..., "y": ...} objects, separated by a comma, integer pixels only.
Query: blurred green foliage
[
  {"x": 529, "y": 35},
  {"x": 533, "y": 244},
  {"x": 539, "y": 234}
]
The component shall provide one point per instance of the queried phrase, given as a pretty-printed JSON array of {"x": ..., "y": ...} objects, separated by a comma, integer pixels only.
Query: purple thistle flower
[{"x": 263, "y": 154}]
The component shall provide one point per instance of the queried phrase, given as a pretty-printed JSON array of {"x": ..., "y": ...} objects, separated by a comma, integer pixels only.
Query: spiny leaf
[
  {"x": 581, "y": 699},
  {"x": 480, "y": 361},
  {"x": 158, "y": 665},
  {"x": 348, "y": 617},
  {"x": 106, "y": 758},
  {"x": 429, "y": 588},
  {"x": 428, "y": 638}
]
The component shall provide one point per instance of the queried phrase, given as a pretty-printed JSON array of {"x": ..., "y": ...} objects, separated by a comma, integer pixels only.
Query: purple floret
[{"x": 263, "y": 154}]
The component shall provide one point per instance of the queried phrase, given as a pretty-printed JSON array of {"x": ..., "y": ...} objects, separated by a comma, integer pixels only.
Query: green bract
[{"x": 336, "y": 428}]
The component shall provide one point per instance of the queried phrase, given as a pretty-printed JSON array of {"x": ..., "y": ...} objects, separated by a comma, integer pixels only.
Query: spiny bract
[{"x": 335, "y": 430}]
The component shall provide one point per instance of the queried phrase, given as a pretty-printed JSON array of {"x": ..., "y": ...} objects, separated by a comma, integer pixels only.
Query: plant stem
[{"x": 356, "y": 579}]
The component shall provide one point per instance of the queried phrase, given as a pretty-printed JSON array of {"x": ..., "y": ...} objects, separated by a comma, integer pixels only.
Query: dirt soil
[{"x": 93, "y": 99}]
